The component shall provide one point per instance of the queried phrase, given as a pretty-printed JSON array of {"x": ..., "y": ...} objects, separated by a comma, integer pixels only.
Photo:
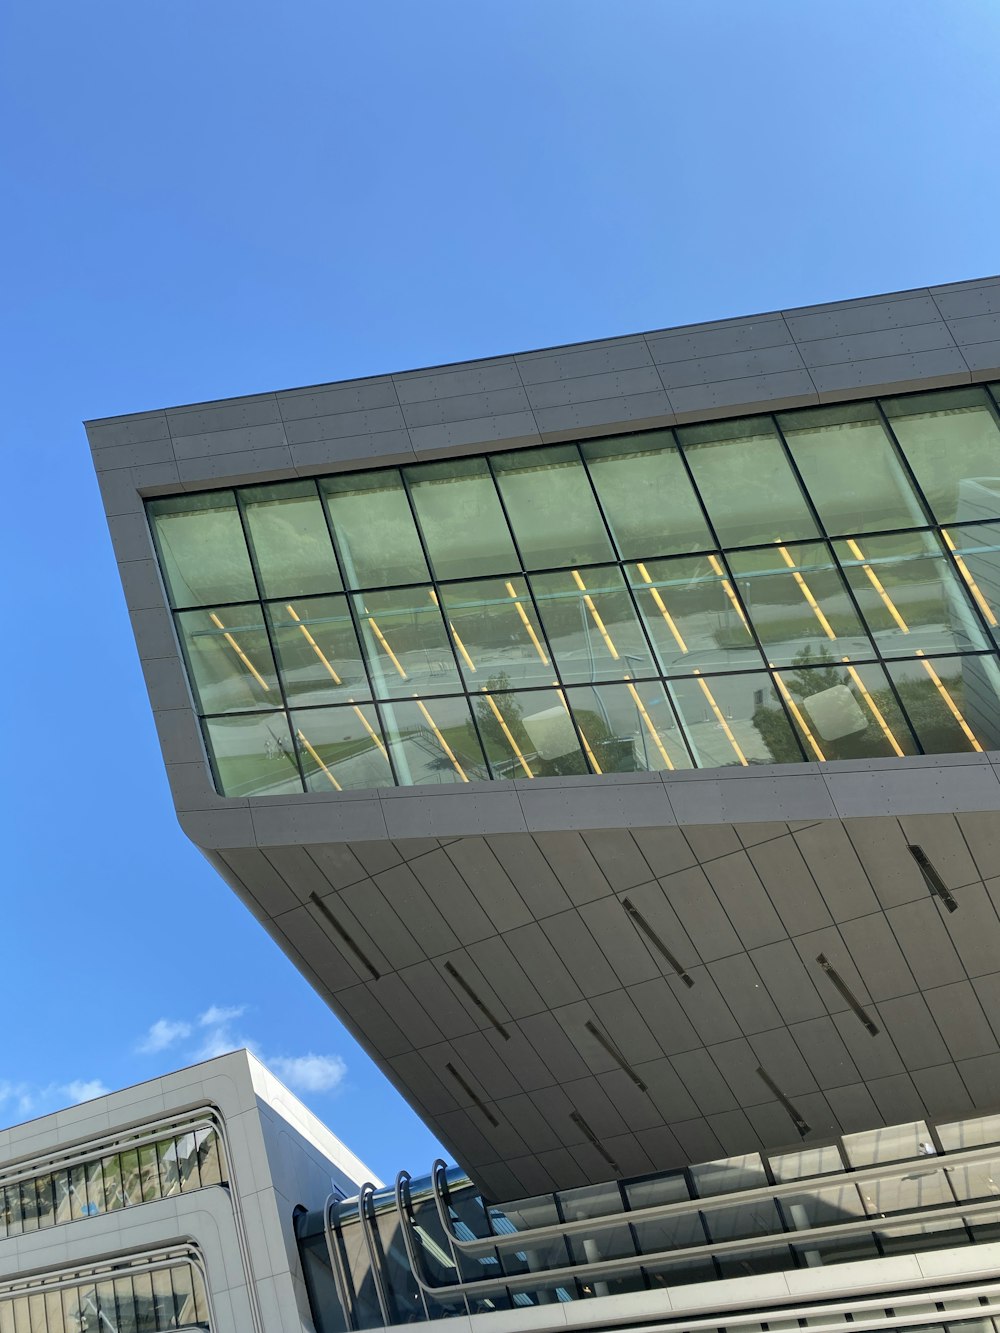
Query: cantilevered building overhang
[{"x": 610, "y": 733}]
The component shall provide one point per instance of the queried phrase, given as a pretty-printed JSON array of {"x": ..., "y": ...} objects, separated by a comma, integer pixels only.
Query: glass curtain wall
[
  {"x": 173, "y": 1165},
  {"x": 806, "y": 586},
  {"x": 148, "y": 1302}
]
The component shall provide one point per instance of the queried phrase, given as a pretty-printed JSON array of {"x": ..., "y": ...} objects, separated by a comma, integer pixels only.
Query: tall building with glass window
[{"x": 610, "y": 734}]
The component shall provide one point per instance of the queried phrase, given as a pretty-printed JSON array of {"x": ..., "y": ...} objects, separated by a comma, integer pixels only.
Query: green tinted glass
[
  {"x": 843, "y": 711},
  {"x": 342, "y": 748},
  {"x": 290, "y": 539},
  {"x": 910, "y": 594},
  {"x": 528, "y": 735},
  {"x": 630, "y": 728},
  {"x": 499, "y": 644},
  {"x": 799, "y": 604},
  {"x": 229, "y": 659},
  {"x": 748, "y": 487},
  {"x": 646, "y": 495},
  {"x": 952, "y": 702},
  {"x": 252, "y": 756},
  {"x": 203, "y": 553},
  {"x": 317, "y": 649},
  {"x": 952, "y": 441},
  {"x": 976, "y": 555},
  {"x": 552, "y": 507},
  {"x": 461, "y": 519},
  {"x": 591, "y": 624},
  {"x": 693, "y": 615},
  {"x": 433, "y": 742},
  {"x": 734, "y": 720},
  {"x": 406, "y": 643},
  {"x": 374, "y": 527},
  {"x": 850, "y": 468}
]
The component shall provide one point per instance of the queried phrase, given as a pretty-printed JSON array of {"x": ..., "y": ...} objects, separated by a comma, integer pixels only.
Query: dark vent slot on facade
[
  {"x": 847, "y": 994},
  {"x": 460, "y": 981},
  {"x": 477, "y": 1101},
  {"x": 615, "y": 1053},
  {"x": 931, "y": 877},
  {"x": 351, "y": 943},
  {"x": 582, "y": 1125},
  {"x": 654, "y": 939},
  {"x": 797, "y": 1119}
]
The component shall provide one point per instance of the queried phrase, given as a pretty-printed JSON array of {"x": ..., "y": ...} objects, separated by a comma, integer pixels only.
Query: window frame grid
[{"x": 825, "y": 538}]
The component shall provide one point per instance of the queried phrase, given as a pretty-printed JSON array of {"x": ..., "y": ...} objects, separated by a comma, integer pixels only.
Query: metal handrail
[
  {"x": 336, "y": 1268},
  {"x": 655, "y": 1213},
  {"x": 604, "y": 1268},
  {"x": 364, "y": 1197}
]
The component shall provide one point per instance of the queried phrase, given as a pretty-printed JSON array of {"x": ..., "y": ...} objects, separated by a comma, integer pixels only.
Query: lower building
[{"x": 166, "y": 1206}]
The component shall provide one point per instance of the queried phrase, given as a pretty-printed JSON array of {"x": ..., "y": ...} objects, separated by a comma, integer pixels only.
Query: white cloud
[
  {"x": 216, "y": 1014},
  {"x": 84, "y": 1090},
  {"x": 310, "y": 1073},
  {"x": 220, "y": 1041},
  {"x": 164, "y": 1032}
]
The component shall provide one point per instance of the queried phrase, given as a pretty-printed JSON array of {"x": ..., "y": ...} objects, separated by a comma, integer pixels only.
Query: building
[
  {"x": 608, "y": 732},
  {"x": 168, "y": 1205}
]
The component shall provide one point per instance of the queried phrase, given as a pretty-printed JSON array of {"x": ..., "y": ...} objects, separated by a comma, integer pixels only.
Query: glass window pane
[
  {"x": 149, "y": 1172},
  {"x": 953, "y": 703},
  {"x": 850, "y": 468},
  {"x": 798, "y": 604},
  {"x": 972, "y": 1133},
  {"x": 113, "y": 1189},
  {"x": 63, "y": 1197},
  {"x": 36, "y": 1313},
  {"x": 749, "y": 490},
  {"x": 433, "y": 741},
  {"x": 845, "y": 711},
  {"x": 210, "y": 1160},
  {"x": 290, "y": 539},
  {"x": 342, "y": 748},
  {"x": 44, "y": 1194},
  {"x": 528, "y": 735},
  {"x": 407, "y": 646},
  {"x": 166, "y": 1153},
  {"x": 183, "y": 1290},
  {"x": 203, "y": 553},
  {"x": 647, "y": 496},
  {"x": 252, "y": 756},
  {"x": 12, "y": 1210},
  {"x": 96, "y": 1202},
  {"x": 317, "y": 649},
  {"x": 187, "y": 1156},
  {"x": 910, "y": 594},
  {"x": 727, "y": 1174},
  {"x": 374, "y": 527},
  {"x": 54, "y": 1313},
  {"x": 629, "y": 728},
  {"x": 693, "y": 615},
  {"x": 591, "y": 624},
  {"x": 496, "y": 633},
  {"x": 131, "y": 1180},
  {"x": 29, "y": 1206},
  {"x": 952, "y": 442},
  {"x": 976, "y": 553},
  {"x": 126, "y": 1305},
  {"x": 107, "y": 1306},
  {"x": 7, "y": 1315},
  {"x": 461, "y": 518},
  {"x": 145, "y": 1315},
  {"x": 163, "y": 1299},
  {"x": 807, "y": 1162},
  {"x": 552, "y": 508},
  {"x": 892, "y": 1144},
  {"x": 734, "y": 720},
  {"x": 229, "y": 659}
]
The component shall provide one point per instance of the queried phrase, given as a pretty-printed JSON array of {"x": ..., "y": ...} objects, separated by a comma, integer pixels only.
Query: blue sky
[{"x": 203, "y": 200}]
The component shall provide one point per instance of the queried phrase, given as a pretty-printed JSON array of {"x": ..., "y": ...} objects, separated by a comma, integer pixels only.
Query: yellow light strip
[
  {"x": 952, "y": 706},
  {"x": 875, "y": 711},
  {"x": 648, "y": 721},
  {"x": 876, "y": 583},
  {"x": 589, "y": 603},
  {"x": 721, "y": 720},
  {"x": 529, "y": 628},
  {"x": 807, "y": 594},
  {"x": 384, "y": 642},
  {"x": 313, "y": 645},
  {"x": 655, "y": 594},
  {"x": 963, "y": 569},
  {"x": 329, "y": 776},
  {"x": 796, "y": 712},
  {"x": 510, "y": 739},
  {"x": 586, "y": 744},
  {"x": 371, "y": 731},
  {"x": 441, "y": 741},
  {"x": 239, "y": 652},
  {"x": 727, "y": 588},
  {"x": 454, "y": 634}
]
